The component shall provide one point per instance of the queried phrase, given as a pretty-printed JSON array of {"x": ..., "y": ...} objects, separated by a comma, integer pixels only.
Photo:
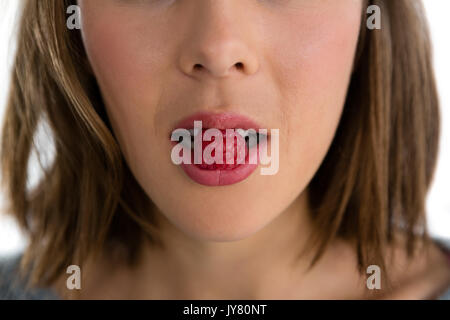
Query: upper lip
[{"x": 221, "y": 121}]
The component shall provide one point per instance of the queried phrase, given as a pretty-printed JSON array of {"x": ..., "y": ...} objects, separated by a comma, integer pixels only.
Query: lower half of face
[{"x": 158, "y": 62}]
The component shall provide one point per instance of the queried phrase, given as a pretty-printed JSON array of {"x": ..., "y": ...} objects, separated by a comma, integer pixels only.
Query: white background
[{"x": 438, "y": 203}]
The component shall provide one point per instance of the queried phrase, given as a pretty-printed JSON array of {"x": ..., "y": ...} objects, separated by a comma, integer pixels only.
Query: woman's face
[{"x": 284, "y": 64}]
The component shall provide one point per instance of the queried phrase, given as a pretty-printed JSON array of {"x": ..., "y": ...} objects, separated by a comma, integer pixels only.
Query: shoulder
[
  {"x": 425, "y": 275},
  {"x": 13, "y": 286},
  {"x": 445, "y": 247}
]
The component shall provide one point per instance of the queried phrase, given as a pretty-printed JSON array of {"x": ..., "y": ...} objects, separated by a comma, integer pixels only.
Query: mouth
[{"x": 241, "y": 140}]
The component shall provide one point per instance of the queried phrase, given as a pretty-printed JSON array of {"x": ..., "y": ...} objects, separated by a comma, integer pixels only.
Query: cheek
[
  {"x": 116, "y": 54},
  {"x": 130, "y": 75},
  {"x": 317, "y": 55}
]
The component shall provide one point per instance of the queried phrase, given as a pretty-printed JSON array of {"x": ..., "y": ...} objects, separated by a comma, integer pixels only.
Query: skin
[{"x": 296, "y": 58}]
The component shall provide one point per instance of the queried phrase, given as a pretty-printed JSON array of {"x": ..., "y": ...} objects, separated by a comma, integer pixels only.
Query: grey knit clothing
[{"x": 12, "y": 287}]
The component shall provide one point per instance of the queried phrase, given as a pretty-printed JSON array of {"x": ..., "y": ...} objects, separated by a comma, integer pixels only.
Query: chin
[{"x": 219, "y": 226}]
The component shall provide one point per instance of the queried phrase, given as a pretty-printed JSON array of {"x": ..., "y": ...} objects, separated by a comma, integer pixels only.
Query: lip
[{"x": 221, "y": 121}]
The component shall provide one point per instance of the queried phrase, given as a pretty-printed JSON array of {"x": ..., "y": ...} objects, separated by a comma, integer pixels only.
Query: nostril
[{"x": 198, "y": 67}]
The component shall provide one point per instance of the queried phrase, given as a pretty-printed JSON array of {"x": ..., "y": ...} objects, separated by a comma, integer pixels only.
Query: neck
[
  {"x": 263, "y": 265},
  {"x": 187, "y": 267}
]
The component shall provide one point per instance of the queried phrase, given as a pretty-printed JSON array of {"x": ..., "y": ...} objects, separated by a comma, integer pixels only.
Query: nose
[{"x": 218, "y": 42}]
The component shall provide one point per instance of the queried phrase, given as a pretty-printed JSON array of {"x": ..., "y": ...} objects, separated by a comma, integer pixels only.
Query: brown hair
[{"x": 375, "y": 174}]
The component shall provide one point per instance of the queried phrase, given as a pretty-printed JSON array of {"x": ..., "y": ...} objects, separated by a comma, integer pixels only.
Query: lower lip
[{"x": 223, "y": 177}]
